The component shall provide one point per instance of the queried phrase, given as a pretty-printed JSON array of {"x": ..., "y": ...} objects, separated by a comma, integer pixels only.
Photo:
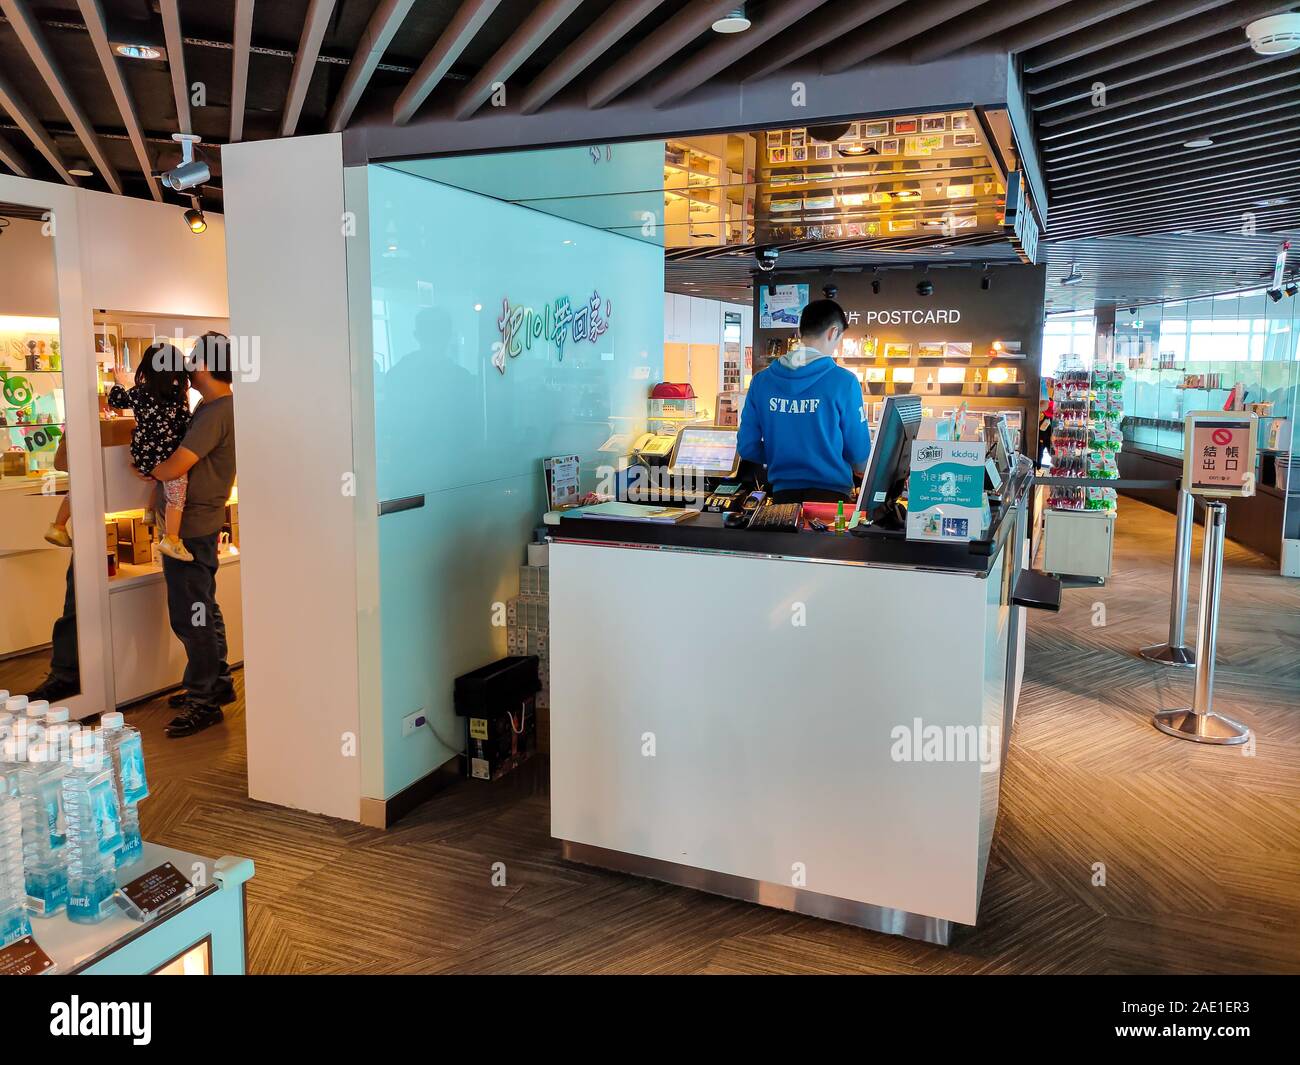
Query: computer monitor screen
[
  {"x": 890, "y": 461},
  {"x": 995, "y": 436},
  {"x": 706, "y": 451}
]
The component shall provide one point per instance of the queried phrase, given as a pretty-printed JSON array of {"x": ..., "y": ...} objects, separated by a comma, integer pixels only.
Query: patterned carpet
[{"x": 1200, "y": 846}]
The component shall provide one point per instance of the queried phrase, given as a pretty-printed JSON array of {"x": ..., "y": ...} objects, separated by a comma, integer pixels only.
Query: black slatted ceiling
[{"x": 1127, "y": 199}]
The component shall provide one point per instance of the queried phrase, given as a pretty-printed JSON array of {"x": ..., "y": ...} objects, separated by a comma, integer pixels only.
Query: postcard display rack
[{"x": 1087, "y": 437}]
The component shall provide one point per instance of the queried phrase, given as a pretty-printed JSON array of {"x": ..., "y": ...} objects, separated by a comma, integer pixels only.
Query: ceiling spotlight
[
  {"x": 830, "y": 291},
  {"x": 925, "y": 287},
  {"x": 80, "y": 168},
  {"x": 195, "y": 220},
  {"x": 986, "y": 281},
  {"x": 734, "y": 21},
  {"x": 875, "y": 286},
  {"x": 1274, "y": 294},
  {"x": 1199, "y": 142},
  {"x": 190, "y": 172},
  {"x": 1291, "y": 288},
  {"x": 1275, "y": 34},
  {"x": 1073, "y": 277},
  {"x": 856, "y": 149}
]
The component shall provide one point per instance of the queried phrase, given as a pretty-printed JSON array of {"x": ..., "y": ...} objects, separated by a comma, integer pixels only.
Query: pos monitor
[
  {"x": 890, "y": 463},
  {"x": 705, "y": 451}
]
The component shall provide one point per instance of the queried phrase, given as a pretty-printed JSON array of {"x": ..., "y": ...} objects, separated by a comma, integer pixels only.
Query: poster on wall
[{"x": 779, "y": 306}]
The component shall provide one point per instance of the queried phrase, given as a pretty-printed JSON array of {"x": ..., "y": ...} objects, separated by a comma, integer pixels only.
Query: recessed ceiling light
[
  {"x": 80, "y": 170},
  {"x": 734, "y": 21},
  {"x": 1199, "y": 142},
  {"x": 1274, "y": 202},
  {"x": 138, "y": 51}
]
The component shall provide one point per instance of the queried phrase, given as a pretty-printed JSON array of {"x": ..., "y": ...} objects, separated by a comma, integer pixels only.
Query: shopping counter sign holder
[
  {"x": 1218, "y": 462},
  {"x": 1219, "y": 453}
]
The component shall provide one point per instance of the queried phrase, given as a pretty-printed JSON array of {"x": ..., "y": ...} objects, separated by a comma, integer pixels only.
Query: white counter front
[{"x": 818, "y": 735}]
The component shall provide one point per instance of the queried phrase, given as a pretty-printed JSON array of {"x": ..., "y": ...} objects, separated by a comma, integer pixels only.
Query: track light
[
  {"x": 875, "y": 286},
  {"x": 190, "y": 172},
  {"x": 830, "y": 291},
  {"x": 925, "y": 287},
  {"x": 1074, "y": 276},
  {"x": 194, "y": 216},
  {"x": 1291, "y": 288},
  {"x": 986, "y": 281},
  {"x": 1274, "y": 294}
]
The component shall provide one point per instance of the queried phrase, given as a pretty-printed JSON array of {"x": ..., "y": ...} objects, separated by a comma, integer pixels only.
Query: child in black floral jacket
[{"x": 160, "y": 402}]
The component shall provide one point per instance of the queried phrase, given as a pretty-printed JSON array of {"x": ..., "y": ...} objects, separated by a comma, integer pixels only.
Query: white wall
[
  {"x": 288, "y": 287},
  {"x": 27, "y": 278},
  {"x": 140, "y": 256}
]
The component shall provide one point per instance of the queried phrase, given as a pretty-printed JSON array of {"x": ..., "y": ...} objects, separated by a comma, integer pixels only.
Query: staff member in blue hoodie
[{"x": 804, "y": 417}]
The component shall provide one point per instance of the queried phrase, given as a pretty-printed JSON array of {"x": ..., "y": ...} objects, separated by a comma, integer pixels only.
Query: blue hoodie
[{"x": 804, "y": 418}]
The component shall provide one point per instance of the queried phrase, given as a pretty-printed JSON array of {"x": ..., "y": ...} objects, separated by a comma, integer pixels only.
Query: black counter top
[{"x": 707, "y": 533}]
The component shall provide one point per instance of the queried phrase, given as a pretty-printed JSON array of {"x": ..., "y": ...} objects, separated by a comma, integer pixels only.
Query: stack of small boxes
[
  {"x": 134, "y": 540},
  {"x": 527, "y": 633}
]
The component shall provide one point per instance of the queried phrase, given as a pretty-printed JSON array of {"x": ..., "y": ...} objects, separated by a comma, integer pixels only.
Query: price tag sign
[
  {"x": 159, "y": 888},
  {"x": 25, "y": 958},
  {"x": 1219, "y": 453}
]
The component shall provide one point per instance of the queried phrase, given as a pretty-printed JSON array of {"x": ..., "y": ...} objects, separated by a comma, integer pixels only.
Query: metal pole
[
  {"x": 1176, "y": 652},
  {"x": 1199, "y": 722}
]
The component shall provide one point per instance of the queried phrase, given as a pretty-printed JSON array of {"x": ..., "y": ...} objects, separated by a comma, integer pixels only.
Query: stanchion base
[
  {"x": 1167, "y": 655},
  {"x": 1201, "y": 728}
]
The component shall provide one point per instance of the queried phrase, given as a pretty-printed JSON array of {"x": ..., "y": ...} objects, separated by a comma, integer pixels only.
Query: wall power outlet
[{"x": 412, "y": 723}]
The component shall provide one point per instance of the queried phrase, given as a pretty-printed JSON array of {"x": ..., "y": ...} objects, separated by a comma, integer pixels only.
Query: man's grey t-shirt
[{"x": 211, "y": 436}]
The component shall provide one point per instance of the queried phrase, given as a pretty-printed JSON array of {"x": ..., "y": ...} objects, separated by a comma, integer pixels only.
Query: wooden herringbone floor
[{"x": 1200, "y": 846}]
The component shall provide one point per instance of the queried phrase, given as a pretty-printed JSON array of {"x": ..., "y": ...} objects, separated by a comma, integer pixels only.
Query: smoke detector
[{"x": 1275, "y": 34}]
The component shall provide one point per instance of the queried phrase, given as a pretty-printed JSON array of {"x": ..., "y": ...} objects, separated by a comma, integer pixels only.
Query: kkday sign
[
  {"x": 945, "y": 490},
  {"x": 554, "y": 324}
]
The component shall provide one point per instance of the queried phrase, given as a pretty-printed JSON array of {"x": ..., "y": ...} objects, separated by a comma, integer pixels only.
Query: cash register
[{"x": 703, "y": 468}]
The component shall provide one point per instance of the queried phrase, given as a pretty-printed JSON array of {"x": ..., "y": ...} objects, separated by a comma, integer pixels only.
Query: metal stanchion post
[
  {"x": 1176, "y": 652},
  {"x": 1199, "y": 722}
]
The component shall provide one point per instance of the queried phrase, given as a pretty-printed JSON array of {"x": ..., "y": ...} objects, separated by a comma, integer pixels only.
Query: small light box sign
[{"x": 1219, "y": 453}]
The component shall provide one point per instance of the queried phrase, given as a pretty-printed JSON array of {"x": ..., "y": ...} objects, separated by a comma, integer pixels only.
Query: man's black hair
[
  {"x": 819, "y": 316},
  {"x": 212, "y": 352}
]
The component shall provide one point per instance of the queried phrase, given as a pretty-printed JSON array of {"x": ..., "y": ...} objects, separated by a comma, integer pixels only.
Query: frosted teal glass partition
[{"x": 502, "y": 335}]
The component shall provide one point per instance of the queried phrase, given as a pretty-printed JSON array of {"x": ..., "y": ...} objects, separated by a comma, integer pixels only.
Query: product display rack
[{"x": 1087, "y": 435}]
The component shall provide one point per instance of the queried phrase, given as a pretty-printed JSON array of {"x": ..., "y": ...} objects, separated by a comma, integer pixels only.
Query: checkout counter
[{"x": 809, "y": 720}]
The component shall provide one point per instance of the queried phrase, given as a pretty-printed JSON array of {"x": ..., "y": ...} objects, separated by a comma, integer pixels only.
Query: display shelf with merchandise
[{"x": 1087, "y": 436}]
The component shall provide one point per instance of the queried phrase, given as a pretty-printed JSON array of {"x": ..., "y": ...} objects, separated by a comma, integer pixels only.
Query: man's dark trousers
[{"x": 197, "y": 622}]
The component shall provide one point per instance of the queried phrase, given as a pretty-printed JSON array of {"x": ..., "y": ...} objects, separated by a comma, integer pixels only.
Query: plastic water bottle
[
  {"x": 37, "y": 779},
  {"x": 94, "y": 830},
  {"x": 126, "y": 752},
  {"x": 14, "y": 922}
]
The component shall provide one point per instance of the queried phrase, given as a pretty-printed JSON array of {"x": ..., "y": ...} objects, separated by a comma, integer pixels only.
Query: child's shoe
[
  {"x": 58, "y": 536},
  {"x": 175, "y": 548}
]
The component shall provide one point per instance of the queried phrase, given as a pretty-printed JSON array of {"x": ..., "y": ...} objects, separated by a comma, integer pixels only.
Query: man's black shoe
[
  {"x": 52, "y": 690},
  {"x": 182, "y": 697},
  {"x": 194, "y": 717}
]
